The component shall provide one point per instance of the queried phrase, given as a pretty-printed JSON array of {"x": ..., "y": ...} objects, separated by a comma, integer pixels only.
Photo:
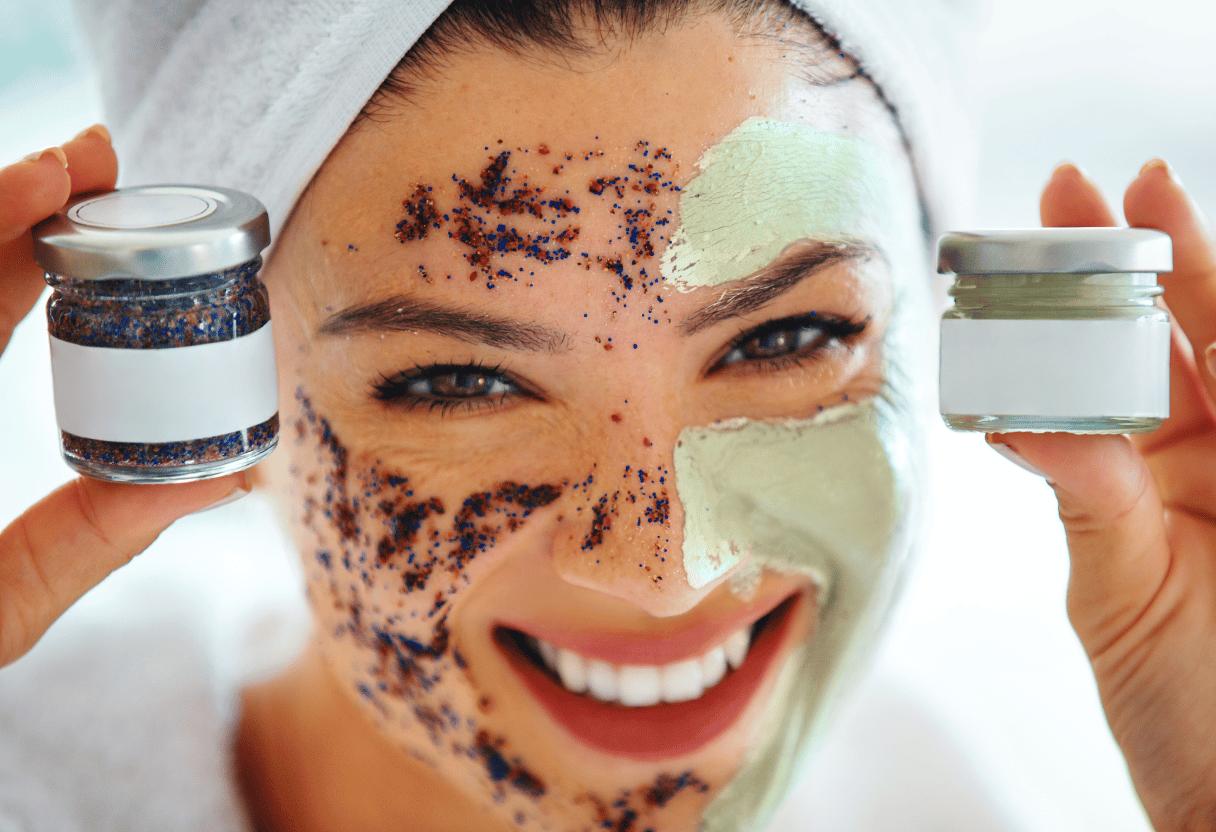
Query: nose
[{"x": 621, "y": 529}]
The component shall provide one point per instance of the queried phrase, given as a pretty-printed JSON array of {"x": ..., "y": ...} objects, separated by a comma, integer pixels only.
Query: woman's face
[{"x": 511, "y": 390}]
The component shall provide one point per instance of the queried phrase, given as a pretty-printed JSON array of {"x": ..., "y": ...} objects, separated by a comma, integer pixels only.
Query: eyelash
[
  {"x": 400, "y": 388},
  {"x": 829, "y": 328}
]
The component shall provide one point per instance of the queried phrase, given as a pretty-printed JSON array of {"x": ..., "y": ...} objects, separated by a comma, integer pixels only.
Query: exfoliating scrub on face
[{"x": 161, "y": 346}]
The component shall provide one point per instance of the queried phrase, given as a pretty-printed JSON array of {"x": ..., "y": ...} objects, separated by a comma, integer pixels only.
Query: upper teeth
[{"x": 639, "y": 685}]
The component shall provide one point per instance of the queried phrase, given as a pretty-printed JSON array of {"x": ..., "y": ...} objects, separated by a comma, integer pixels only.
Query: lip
[
  {"x": 662, "y": 648},
  {"x": 666, "y": 730}
]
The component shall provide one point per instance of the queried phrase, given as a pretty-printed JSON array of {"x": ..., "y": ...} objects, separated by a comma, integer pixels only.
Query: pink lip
[
  {"x": 667, "y": 730},
  {"x": 625, "y": 647}
]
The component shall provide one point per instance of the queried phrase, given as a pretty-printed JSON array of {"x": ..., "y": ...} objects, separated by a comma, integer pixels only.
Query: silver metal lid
[
  {"x": 152, "y": 232},
  {"x": 1055, "y": 250}
]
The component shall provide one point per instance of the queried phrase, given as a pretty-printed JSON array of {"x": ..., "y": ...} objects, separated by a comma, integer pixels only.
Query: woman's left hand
[{"x": 1140, "y": 517}]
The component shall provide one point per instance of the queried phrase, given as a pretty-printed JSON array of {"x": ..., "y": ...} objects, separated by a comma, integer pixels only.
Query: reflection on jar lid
[
  {"x": 152, "y": 232},
  {"x": 1055, "y": 250}
]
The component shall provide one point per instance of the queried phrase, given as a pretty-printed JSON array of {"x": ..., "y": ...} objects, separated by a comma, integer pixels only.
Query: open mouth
[{"x": 651, "y": 712}]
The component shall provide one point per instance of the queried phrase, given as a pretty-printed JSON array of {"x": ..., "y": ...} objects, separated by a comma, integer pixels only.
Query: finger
[
  {"x": 1182, "y": 471},
  {"x": 30, "y": 191},
  {"x": 1156, "y": 200},
  {"x": 1071, "y": 200},
  {"x": 92, "y": 162},
  {"x": 1114, "y": 521},
  {"x": 83, "y": 531},
  {"x": 1191, "y": 410}
]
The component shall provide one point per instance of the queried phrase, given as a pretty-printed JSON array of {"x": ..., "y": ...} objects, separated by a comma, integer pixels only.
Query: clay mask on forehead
[
  {"x": 828, "y": 497},
  {"x": 770, "y": 183}
]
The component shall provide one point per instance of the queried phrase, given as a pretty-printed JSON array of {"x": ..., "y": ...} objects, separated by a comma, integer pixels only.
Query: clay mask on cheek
[
  {"x": 830, "y": 497},
  {"x": 814, "y": 496}
]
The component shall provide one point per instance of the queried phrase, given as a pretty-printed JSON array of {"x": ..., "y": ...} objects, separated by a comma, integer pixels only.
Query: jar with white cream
[{"x": 1055, "y": 329}]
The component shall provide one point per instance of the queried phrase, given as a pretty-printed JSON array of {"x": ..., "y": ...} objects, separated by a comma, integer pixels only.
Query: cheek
[
  {"x": 387, "y": 564},
  {"x": 822, "y": 497},
  {"x": 387, "y": 552}
]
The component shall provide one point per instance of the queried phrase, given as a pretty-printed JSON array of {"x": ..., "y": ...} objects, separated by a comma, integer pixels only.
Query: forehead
[{"x": 644, "y": 112}]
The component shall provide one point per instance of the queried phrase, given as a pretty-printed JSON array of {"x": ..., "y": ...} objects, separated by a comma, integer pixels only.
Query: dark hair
[{"x": 569, "y": 28}]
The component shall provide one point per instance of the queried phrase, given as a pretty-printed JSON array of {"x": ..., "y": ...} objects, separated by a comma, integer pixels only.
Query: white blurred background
[{"x": 979, "y": 648}]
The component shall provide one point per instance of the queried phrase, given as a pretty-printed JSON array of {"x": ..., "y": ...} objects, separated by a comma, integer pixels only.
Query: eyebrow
[
  {"x": 774, "y": 281},
  {"x": 403, "y": 313}
]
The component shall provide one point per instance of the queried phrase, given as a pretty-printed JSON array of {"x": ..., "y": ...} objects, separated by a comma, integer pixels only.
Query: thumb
[
  {"x": 68, "y": 542},
  {"x": 1114, "y": 523}
]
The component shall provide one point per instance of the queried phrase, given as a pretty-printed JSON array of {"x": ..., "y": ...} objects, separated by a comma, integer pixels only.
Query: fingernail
[
  {"x": 1210, "y": 356},
  {"x": 1013, "y": 456},
  {"x": 237, "y": 493},
  {"x": 1163, "y": 166},
  {"x": 39, "y": 155},
  {"x": 98, "y": 130},
  {"x": 1066, "y": 168}
]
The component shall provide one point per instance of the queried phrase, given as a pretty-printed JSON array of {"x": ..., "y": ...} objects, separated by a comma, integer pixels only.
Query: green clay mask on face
[
  {"x": 811, "y": 495},
  {"x": 831, "y": 497},
  {"x": 767, "y": 184}
]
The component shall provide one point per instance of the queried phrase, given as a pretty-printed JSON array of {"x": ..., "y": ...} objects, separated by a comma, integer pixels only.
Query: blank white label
[
  {"x": 165, "y": 395},
  {"x": 1055, "y": 368}
]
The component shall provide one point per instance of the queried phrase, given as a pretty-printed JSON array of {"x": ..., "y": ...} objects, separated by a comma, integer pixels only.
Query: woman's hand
[
  {"x": 74, "y": 537},
  {"x": 1140, "y": 517}
]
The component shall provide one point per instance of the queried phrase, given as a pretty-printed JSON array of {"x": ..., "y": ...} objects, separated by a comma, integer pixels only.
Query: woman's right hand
[{"x": 75, "y": 536}]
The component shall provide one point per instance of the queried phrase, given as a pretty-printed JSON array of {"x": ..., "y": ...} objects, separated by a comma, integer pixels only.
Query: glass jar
[
  {"x": 1055, "y": 329},
  {"x": 161, "y": 348}
]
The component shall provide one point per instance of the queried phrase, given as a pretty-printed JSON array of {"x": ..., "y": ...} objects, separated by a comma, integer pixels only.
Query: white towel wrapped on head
[{"x": 253, "y": 94}]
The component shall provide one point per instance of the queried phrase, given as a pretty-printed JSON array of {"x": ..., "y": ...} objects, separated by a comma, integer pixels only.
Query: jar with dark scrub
[{"x": 161, "y": 347}]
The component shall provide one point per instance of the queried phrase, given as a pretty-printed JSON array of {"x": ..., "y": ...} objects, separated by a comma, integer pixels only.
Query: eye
[
  {"x": 776, "y": 342},
  {"x": 446, "y": 386}
]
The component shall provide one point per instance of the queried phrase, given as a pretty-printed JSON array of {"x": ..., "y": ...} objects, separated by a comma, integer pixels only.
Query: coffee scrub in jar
[{"x": 161, "y": 346}]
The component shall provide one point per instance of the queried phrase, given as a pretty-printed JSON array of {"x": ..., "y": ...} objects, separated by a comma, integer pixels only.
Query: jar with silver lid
[
  {"x": 161, "y": 348},
  {"x": 1055, "y": 329}
]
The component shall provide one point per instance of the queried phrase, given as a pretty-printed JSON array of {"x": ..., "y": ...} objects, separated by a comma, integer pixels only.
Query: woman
[{"x": 603, "y": 370}]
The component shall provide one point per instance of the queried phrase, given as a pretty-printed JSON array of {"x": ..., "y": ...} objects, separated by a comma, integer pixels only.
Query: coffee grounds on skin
[
  {"x": 384, "y": 529},
  {"x": 631, "y": 807},
  {"x": 385, "y": 532},
  {"x": 481, "y": 220}
]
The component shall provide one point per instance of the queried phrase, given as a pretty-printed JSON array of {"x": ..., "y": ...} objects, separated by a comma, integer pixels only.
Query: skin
[
  {"x": 595, "y": 416},
  {"x": 313, "y": 752}
]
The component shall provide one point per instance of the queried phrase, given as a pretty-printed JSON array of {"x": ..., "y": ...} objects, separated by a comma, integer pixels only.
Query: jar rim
[
  {"x": 1055, "y": 251},
  {"x": 152, "y": 232}
]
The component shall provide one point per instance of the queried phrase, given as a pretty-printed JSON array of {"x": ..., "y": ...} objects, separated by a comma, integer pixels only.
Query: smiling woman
[
  {"x": 601, "y": 335},
  {"x": 601, "y": 332},
  {"x": 601, "y": 465}
]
